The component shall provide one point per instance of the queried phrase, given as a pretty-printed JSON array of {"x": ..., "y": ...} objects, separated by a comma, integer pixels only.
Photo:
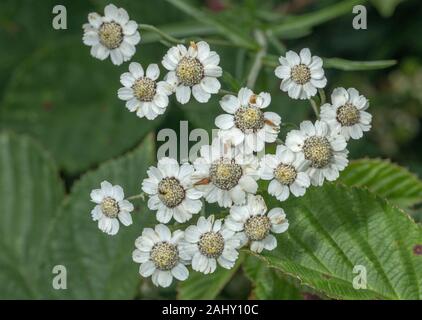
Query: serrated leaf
[
  {"x": 100, "y": 266},
  {"x": 386, "y": 179},
  {"x": 268, "y": 283},
  {"x": 68, "y": 100},
  {"x": 30, "y": 194},
  {"x": 334, "y": 229},
  {"x": 204, "y": 287}
]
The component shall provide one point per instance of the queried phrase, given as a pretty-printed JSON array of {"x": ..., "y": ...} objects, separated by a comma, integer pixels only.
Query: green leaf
[
  {"x": 30, "y": 194},
  {"x": 385, "y": 179},
  {"x": 226, "y": 29},
  {"x": 269, "y": 283},
  {"x": 334, "y": 229},
  {"x": 309, "y": 20},
  {"x": 341, "y": 64},
  {"x": 100, "y": 266},
  {"x": 386, "y": 7},
  {"x": 204, "y": 287},
  {"x": 68, "y": 100},
  {"x": 348, "y": 65}
]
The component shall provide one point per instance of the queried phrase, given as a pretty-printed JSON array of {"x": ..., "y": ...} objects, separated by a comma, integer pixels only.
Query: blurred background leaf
[
  {"x": 100, "y": 266},
  {"x": 30, "y": 196}
]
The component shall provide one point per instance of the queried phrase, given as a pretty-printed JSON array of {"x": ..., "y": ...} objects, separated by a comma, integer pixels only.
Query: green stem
[
  {"x": 322, "y": 96},
  {"x": 276, "y": 43},
  {"x": 314, "y": 107},
  {"x": 162, "y": 34},
  {"x": 279, "y": 141},
  {"x": 137, "y": 196},
  {"x": 257, "y": 65},
  {"x": 224, "y": 92}
]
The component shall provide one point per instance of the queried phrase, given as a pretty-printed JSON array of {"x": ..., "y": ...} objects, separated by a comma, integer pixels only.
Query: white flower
[
  {"x": 324, "y": 149},
  {"x": 112, "y": 34},
  {"x": 347, "y": 114},
  {"x": 246, "y": 122},
  {"x": 193, "y": 69},
  {"x": 111, "y": 207},
  {"x": 208, "y": 243},
  {"x": 254, "y": 223},
  {"x": 301, "y": 73},
  {"x": 225, "y": 175},
  {"x": 158, "y": 252},
  {"x": 142, "y": 92},
  {"x": 171, "y": 192},
  {"x": 285, "y": 170}
]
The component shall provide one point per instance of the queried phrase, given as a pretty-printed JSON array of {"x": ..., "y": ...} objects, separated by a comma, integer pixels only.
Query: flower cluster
[{"x": 227, "y": 171}]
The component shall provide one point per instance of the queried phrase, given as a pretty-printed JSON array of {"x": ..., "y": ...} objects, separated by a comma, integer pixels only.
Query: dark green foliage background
[{"x": 63, "y": 130}]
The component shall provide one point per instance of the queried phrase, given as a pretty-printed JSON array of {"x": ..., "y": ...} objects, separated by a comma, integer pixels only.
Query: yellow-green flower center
[
  {"x": 211, "y": 244},
  {"x": 189, "y": 71},
  {"x": 318, "y": 151},
  {"x": 257, "y": 227},
  {"x": 164, "y": 255},
  {"x": 285, "y": 174},
  {"x": 109, "y": 207},
  {"x": 171, "y": 192},
  {"x": 348, "y": 115},
  {"x": 111, "y": 35},
  {"x": 144, "y": 89},
  {"x": 301, "y": 74},
  {"x": 249, "y": 118},
  {"x": 225, "y": 174}
]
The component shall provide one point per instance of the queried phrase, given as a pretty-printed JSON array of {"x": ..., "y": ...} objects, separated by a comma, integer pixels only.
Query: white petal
[
  {"x": 200, "y": 94},
  {"x": 163, "y": 232},
  {"x": 270, "y": 242},
  {"x": 203, "y": 50},
  {"x": 125, "y": 218},
  {"x": 136, "y": 69},
  {"x": 146, "y": 269},
  {"x": 293, "y": 58},
  {"x": 224, "y": 121},
  {"x": 192, "y": 234},
  {"x": 183, "y": 94},
  {"x": 305, "y": 56},
  {"x": 95, "y": 19},
  {"x": 248, "y": 184},
  {"x": 282, "y": 72},
  {"x": 164, "y": 278},
  {"x": 230, "y": 103},
  {"x": 180, "y": 272},
  {"x": 140, "y": 256},
  {"x": 210, "y": 85},
  {"x": 244, "y": 96},
  {"x": 153, "y": 72},
  {"x": 116, "y": 56},
  {"x": 130, "y": 28},
  {"x": 125, "y": 93}
]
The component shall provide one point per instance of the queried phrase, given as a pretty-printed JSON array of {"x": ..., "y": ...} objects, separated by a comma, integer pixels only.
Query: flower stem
[
  {"x": 257, "y": 65},
  {"x": 162, "y": 34},
  {"x": 224, "y": 92},
  {"x": 314, "y": 107},
  {"x": 137, "y": 196},
  {"x": 322, "y": 96}
]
